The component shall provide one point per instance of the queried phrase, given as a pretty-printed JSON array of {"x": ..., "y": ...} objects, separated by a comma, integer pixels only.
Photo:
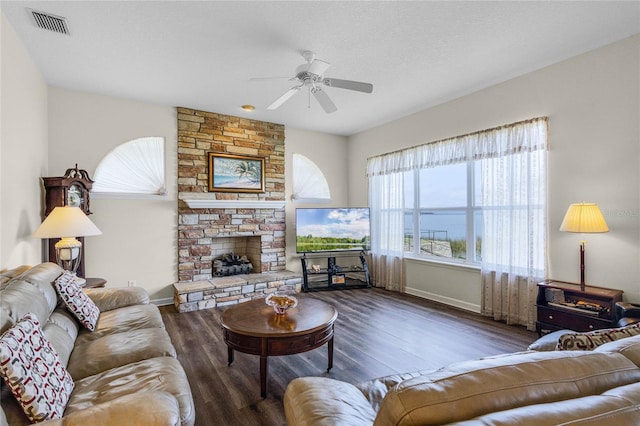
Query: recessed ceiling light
[{"x": 248, "y": 107}]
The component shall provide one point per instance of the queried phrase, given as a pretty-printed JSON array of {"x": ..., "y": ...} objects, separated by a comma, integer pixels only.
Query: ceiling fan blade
[
  {"x": 348, "y": 84},
  {"x": 284, "y": 98},
  {"x": 318, "y": 67},
  {"x": 324, "y": 101}
]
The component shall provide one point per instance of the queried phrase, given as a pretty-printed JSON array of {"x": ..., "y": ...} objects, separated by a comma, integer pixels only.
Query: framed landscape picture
[{"x": 235, "y": 173}]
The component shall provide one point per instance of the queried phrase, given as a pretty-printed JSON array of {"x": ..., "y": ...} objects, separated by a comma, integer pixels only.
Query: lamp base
[
  {"x": 68, "y": 253},
  {"x": 582, "y": 281}
]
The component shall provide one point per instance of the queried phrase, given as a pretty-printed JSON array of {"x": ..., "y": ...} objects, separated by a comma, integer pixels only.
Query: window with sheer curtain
[
  {"x": 478, "y": 198},
  {"x": 134, "y": 169}
]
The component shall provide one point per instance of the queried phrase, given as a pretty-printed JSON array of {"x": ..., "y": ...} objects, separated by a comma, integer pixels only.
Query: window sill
[
  {"x": 127, "y": 196},
  {"x": 456, "y": 265}
]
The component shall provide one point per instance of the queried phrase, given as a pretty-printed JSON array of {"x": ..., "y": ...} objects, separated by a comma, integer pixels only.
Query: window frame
[{"x": 470, "y": 210}]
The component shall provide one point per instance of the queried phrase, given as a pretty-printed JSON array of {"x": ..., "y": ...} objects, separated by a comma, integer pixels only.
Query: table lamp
[
  {"x": 585, "y": 218},
  {"x": 67, "y": 223}
]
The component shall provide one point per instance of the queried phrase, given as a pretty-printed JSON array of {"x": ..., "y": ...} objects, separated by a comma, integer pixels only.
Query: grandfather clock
[{"x": 72, "y": 189}]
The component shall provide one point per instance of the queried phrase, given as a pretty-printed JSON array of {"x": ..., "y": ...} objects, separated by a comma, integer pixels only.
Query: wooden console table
[
  {"x": 554, "y": 316},
  {"x": 254, "y": 328}
]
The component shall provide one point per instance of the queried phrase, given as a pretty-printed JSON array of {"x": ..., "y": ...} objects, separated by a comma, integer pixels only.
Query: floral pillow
[
  {"x": 592, "y": 339},
  {"x": 77, "y": 301},
  {"x": 33, "y": 370}
]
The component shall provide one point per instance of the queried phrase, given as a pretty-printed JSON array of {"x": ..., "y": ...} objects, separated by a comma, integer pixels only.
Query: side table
[
  {"x": 564, "y": 305},
  {"x": 95, "y": 283}
]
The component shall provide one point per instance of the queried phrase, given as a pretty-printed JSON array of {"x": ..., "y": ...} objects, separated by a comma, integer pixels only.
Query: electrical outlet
[{"x": 131, "y": 283}]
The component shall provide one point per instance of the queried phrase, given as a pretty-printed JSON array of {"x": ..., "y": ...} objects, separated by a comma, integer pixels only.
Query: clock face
[{"x": 74, "y": 196}]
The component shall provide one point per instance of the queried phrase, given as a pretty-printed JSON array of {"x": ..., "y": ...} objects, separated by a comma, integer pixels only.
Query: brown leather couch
[
  {"x": 124, "y": 372},
  {"x": 528, "y": 388}
]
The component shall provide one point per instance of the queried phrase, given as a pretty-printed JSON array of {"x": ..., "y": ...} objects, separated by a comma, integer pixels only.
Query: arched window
[
  {"x": 134, "y": 169},
  {"x": 309, "y": 183}
]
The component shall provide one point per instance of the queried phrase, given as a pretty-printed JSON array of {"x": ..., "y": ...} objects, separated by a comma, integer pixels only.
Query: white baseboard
[
  {"x": 443, "y": 299},
  {"x": 163, "y": 302}
]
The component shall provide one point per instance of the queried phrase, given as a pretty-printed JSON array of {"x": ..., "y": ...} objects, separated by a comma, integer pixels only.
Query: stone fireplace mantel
[{"x": 207, "y": 200}]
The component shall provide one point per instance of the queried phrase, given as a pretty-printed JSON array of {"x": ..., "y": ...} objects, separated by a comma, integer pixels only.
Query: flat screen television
[{"x": 332, "y": 229}]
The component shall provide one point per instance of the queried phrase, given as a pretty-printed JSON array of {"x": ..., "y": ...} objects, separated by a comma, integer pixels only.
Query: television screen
[{"x": 332, "y": 229}]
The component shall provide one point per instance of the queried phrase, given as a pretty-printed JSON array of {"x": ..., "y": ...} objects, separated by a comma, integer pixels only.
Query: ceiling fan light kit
[{"x": 311, "y": 76}]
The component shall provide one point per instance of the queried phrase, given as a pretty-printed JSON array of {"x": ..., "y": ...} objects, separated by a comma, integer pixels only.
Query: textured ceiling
[{"x": 202, "y": 54}]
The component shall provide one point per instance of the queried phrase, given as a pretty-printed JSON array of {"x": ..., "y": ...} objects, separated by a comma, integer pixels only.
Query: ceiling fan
[{"x": 311, "y": 77}]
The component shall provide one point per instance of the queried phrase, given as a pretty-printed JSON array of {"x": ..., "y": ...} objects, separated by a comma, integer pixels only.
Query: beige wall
[
  {"x": 593, "y": 105},
  {"x": 23, "y": 151},
  {"x": 139, "y": 237},
  {"x": 329, "y": 153}
]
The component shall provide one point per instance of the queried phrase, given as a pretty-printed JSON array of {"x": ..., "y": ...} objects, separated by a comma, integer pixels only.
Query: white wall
[
  {"x": 592, "y": 102},
  {"x": 23, "y": 151}
]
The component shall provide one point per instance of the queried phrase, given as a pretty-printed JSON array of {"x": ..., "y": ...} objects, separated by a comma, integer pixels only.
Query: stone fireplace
[{"x": 214, "y": 223}]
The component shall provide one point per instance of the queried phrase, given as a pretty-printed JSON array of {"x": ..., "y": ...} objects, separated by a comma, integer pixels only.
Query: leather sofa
[
  {"x": 125, "y": 371},
  {"x": 528, "y": 388}
]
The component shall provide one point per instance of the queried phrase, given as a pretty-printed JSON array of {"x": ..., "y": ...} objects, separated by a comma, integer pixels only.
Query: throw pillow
[
  {"x": 592, "y": 339},
  {"x": 33, "y": 370},
  {"x": 77, "y": 301}
]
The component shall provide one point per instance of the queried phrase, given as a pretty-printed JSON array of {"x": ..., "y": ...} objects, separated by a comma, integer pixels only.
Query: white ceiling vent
[{"x": 50, "y": 22}]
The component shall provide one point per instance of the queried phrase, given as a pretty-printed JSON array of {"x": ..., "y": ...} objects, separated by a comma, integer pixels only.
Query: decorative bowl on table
[{"x": 281, "y": 302}]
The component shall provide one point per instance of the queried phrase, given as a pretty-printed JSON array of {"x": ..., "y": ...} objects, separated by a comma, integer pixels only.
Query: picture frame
[{"x": 235, "y": 173}]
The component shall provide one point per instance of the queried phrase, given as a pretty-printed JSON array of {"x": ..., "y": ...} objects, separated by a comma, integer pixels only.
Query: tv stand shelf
[{"x": 331, "y": 271}]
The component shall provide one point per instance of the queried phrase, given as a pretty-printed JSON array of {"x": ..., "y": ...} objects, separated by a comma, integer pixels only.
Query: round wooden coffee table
[{"x": 254, "y": 328}]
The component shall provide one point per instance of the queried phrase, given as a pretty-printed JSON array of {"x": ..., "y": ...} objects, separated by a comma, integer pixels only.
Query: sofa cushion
[
  {"x": 113, "y": 298},
  {"x": 629, "y": 347},
  {"x": 115, "y": 350},
  {"x": 142, "y": 408},
  {"x": 20, "y": 298},
  {"x": 375, "y": 390},
  {"x": 614, "y": 405},
  {"x": 592, "y": 339},
  {"x": 156, "y": 374},
  {"x": 121, "y": 320},
  {"x": 8, "y": 274},
  {"x": 33, "y": 371},
  {"x": 42, "y": 277},
  {"x": 549, "y": 341},
  {"x": 475, "y": 388},
  {"x": 80, "y": 305},
  {"x": 341, "y": 403}
]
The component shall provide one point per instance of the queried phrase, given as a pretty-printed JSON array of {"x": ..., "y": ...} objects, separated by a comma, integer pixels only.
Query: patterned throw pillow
[
  {"x": 33, "y": 371},
  {"x": 77, "y": 301},
  {"x": 592, "y": 339}
]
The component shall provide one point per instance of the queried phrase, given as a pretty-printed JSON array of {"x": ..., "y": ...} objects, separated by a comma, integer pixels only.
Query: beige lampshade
[
  {"x": 66, "y": 222},
  {"x": 584, "y": 218}
]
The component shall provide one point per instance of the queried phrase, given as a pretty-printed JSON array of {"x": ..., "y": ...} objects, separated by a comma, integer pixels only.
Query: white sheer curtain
[
  {"x": 514, "y": 243},
  {"x": 135, "y": 167},
  {"x": 387, "y": 234}
]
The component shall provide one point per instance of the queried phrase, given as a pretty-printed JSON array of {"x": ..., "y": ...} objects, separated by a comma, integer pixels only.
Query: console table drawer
[{"x": 570, "y": 320}]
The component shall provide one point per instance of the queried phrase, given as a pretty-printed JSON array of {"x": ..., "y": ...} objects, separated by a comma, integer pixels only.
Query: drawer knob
[
  {"x": 550, "y": 317},
  {"x": 590, "y": 327}
]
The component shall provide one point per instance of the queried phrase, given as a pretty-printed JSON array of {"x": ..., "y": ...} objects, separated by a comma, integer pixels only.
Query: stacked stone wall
[{"x": 199, "y": 133}]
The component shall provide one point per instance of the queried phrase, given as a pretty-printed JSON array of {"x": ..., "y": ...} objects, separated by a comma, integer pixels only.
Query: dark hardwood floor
[{"x": 377, "y": 333}]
